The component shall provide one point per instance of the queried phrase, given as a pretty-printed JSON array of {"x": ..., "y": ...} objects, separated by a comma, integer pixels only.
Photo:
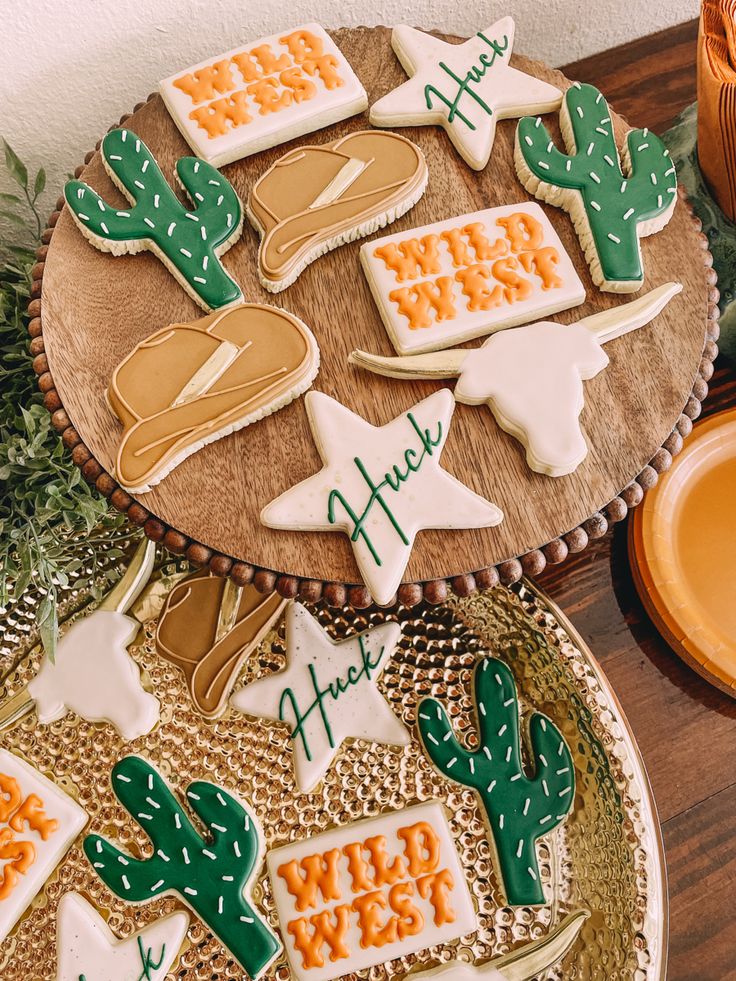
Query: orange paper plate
[{"x": 682, "y": 548}]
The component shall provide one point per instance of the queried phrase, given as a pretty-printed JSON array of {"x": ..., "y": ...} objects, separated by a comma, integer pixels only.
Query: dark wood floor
[{"x": 686, "y": 729}]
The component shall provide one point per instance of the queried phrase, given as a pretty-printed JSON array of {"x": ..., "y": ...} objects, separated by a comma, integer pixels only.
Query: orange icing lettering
[
  {"x": 473, "y": 280},
  {"x": 523, "y": 231},
  {"x": 268, "y": 98},
  {"x": 268, "y": 60},
  {"x": 23, "y": 855},
  {"x": 483, "y": 248},
  {"x": 323, "y": 931},
  {"x": 203, "y": 84},
  {"x": 411, "y": 920},
  {"x": 326, "y": 67},
  {"x": 250, "y": 71},
  {"x": 515, "y": 286},
  {"x": 437, "y": 296},
  {"x": 302, "y": 89},
  {"x": 411, "y": 258},
  {"x": 32, "y": 812},
  {"x": 421, "y": 847},
  {"x": 373, "y": 932},
  {"x": 214, "y": 116},
  {"x": 384, "y": 872},
  {"x": 357, "y": 867},
  {"x": 543, "y": 261},
  {"x": 320, "y": 872},
  {"x": 8, "y": 789},
  {"x": 302, "y": 45},
  {"x": 457, "y": 248},
  {"x": 438, "y": 886}
]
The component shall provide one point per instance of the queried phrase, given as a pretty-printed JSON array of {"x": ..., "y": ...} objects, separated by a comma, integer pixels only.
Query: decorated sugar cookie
[
  {"x": 369, "y": 892},
  {"x": 213, "y": 875},
  {"x": 613, "y": 202},
  {"x": 468, "y": 276},
  {"x": 532, "y": 377},
  {"x": 529, "y": 961},
  {"x": 263, "y": 93},
  {"x": 380, "y": 485},
  {"x": 92, "y": 672},
  {"x": 519, "y": 809},
  {"x": 38, "y": 823},
  {"x": 189, "y": 241},
  {"x": 86, "y": 947},
  {"x": 207, "y": 628},
  {"x": 327, "y": 693},
  {"x": 465, "y": 88},
  {"x": 318, "y": 197},
  {"x": 188, "y": 385}
]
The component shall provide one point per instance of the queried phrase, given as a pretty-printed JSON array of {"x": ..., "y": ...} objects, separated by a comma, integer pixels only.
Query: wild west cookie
[
  {"x": 87, "y": 949},
  {"x": 327, "y": 693},
  {"x": 213, "y": 875},
  {"x": 380, "y": 485},
  {"x": 465, "y": 88},
  {"x": 189, "y": 241},
  {"x": 38, "y": 823},
  {"x": 318, "y": 197},
  {"x": 519, "y": 809},
  {"x": 470, "y": 275},
  {"x": 188, "y": 385},
  {"x": 264, "y": 93},
  {"x": 369, "y": 892},
  {"x": 532, "y": 377},
  {"x": 612, "y": 202},
  {"x": 207, "y": 628}
]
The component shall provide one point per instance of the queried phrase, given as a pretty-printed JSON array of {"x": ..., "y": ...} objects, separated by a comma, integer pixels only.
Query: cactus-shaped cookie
[
  {"x": 188, "y": 241},
  {"x": 211, "y": 875},
  {"x": 519, "y": 809},
  {"x": 612, "y": 205}
]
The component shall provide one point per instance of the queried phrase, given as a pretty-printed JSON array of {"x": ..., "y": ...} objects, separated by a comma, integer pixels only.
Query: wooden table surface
[{"x": 686, "y": 729}]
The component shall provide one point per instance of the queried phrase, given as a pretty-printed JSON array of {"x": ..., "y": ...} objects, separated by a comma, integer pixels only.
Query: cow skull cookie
[
  {"x": 465, "y": 88},
  {"x": 380, "y": 485},
  {"x": 264, "y": 93},
  {"x": 318, "y": 197},
  {"x": 327, "y": 693},
  {"x": 188, "y": 385},
  {"x": 189, "y": 241},
  {"x": 532, "y": 377},
  {"x": 613, "y": 202}
]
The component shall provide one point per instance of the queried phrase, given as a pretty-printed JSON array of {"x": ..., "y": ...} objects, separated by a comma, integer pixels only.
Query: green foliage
[{"x": 45, "y": 504}]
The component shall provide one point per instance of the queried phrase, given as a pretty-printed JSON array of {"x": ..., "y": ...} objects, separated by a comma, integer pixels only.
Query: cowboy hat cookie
[
  {"x": 613, "y": 202},
  {"x": 318, "y": 197},
  {"x": 532, "y": 377},
  {"x": 465, "y": 88},
  {"x": 188, "y": 385},
  {"x": 262, "y": 94},
  {"x": 189, "y": 241}
]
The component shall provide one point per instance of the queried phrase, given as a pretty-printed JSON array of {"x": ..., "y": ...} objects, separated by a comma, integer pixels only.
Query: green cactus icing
[
  {"x": 612, "y": 201},
  {"x": 210, "y": 875},
  {"x": 519, "y": 809},
  {"x": 189, "y": 241}
]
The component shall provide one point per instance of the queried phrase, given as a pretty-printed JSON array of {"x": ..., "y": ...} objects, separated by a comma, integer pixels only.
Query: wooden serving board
[{"x": 96, "y": 307}]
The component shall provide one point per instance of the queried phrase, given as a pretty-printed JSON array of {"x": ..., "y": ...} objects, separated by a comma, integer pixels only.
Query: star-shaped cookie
[
  {"x": 465, "y": 88},
  {"x": 327, "y": 693},
  {"x": 380, "y": 485},
  {"x": 86, "y": 947}
]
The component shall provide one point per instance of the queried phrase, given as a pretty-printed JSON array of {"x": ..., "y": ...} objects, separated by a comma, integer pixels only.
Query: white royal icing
[
  {"x": 94, "y": 676},
  {"x": 465, "y": 88},
  {"x": 411, "y": 490},
  {"x": 87, "y": 948},
  {"x": 370, "y": 913},
  {"x": 28, "y": 855},
  {"x": 515, "y": 258},
  {"x": 250, "y": 127},
  {"x": 327, "y": 693}
]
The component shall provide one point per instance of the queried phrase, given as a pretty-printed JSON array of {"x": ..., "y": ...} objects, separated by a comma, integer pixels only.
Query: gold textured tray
[{"x": 606, "y": 858}]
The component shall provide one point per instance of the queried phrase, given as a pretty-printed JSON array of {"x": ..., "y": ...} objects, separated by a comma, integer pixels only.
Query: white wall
[{"x": 72, "y": 67}]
